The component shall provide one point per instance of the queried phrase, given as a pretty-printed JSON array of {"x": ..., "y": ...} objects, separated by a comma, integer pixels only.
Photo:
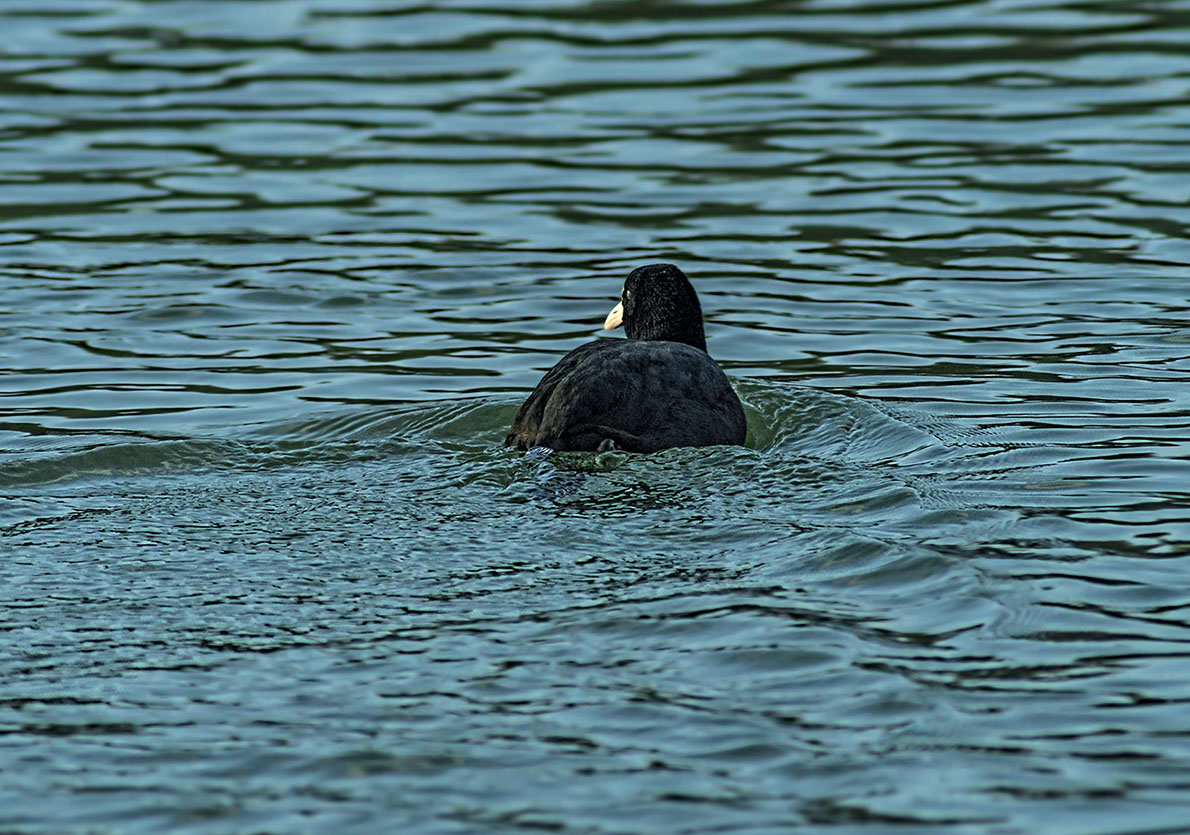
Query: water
[{"x": 274, "y": 277}]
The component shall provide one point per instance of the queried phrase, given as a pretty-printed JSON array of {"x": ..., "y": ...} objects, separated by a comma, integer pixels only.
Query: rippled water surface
[{"x": 274, "y": 277}]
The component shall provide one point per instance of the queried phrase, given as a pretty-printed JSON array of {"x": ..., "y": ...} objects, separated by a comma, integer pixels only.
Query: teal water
[{"x": 274, "y": 277}]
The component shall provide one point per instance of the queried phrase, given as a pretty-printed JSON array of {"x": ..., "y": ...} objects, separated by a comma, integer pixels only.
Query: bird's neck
[{"x": 688, "y": 334}]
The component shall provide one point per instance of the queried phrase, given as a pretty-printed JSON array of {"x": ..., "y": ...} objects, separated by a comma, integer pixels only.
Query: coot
[{"x": 654, "y": 390}]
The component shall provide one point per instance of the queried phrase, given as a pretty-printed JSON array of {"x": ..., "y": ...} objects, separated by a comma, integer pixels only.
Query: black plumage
[{"x": 654, "y": 390}]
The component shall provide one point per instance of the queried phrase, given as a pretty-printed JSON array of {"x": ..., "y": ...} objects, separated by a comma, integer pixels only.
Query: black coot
[{"x": 654, "y": 390}]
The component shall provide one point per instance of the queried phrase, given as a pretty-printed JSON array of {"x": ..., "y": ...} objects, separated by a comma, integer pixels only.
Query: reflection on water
[{"x": 275, "y": 275}]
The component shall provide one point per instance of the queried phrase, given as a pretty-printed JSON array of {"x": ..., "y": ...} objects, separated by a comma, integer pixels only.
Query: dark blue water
[{"x": 274, "y": 277}]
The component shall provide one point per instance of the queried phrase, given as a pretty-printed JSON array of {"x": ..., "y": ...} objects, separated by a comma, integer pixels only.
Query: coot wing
[
  {"x": 527, "y": 423},
  {"x": 642, "y": 395}
]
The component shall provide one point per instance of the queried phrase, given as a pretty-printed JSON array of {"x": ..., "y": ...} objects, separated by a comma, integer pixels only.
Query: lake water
[{"x": 274, "y": 277}]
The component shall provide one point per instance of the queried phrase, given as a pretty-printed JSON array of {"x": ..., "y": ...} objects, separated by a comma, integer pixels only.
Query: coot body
[{"x": 655, "y": 390}]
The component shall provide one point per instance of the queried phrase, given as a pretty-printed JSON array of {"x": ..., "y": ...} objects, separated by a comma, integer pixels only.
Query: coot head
[{"x": 658, "y": 302}]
